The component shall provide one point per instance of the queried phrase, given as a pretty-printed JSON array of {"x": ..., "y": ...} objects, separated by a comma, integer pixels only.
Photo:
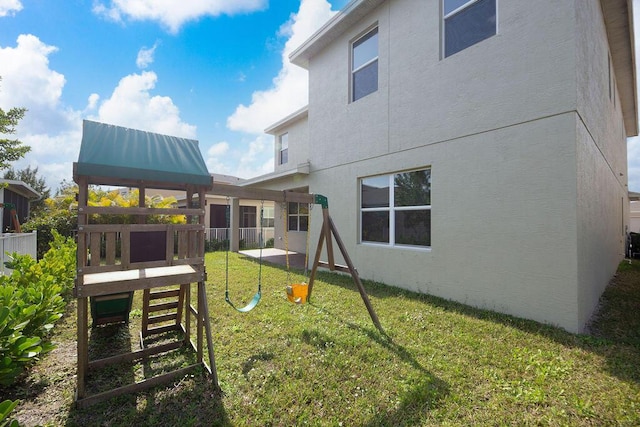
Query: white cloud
[
  {"x": 92, "y": 102},
  {"x": 145, "y": 56},
  {"x": 173, "y": 14},
  {"x": 9, "y": 7},
  {"x": 27, "y": 80},
  {"x": 258, "y": 160},
  {"x": 216, "y": 158},
  {"x": 219, "y": 149},
  {"x": 290, "y": 86},
  {"x": 51, "y": 130},
  {"x": 132, "y": 105}
]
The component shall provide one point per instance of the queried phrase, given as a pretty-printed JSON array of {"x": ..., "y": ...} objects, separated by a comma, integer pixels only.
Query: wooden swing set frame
[
  {"x": 328, "y": 233},
  {"x": 101, "y": 274}
]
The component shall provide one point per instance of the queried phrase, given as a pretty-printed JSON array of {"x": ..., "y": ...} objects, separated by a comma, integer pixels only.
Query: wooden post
[
  {"x": 354, "y": 274},
  {"x": 212, "y": 361},
  {"x": 234, "y": 228},
  {"x": 316, "y": 263},
  {"x": 327, "y": 236},
  {"x": 82, "y": 317}
]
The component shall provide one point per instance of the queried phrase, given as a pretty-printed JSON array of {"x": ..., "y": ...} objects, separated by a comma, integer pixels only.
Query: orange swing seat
[{"x": 297, "y": 293}]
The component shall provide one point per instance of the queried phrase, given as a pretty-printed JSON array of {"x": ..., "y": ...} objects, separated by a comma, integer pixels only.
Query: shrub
[
  {"x": 5, "y": 409},
  {"x": 62, "y": 222},
  {"x": 215, "y": 245},
  {"x": 31, "y": 301}
]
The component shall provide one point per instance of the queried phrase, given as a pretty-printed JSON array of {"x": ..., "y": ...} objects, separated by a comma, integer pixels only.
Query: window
[
  {"x": 364, "y": 65},
  {"x": 284, "y": 148},
  {"x": 467, "y": 22},
  {"x": 247, "y": 216},
  {"x": 268, "y": 217},
  {"x": 298, "y": 216},
  {"x": 396, "y": 209}
]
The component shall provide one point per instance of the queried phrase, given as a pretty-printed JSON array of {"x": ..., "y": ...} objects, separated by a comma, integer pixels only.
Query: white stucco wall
[
  {"x": 603, "y": 213},
  {"x": 526, "y": 150},
  {"x": 298, "y": 151},
  {"x": 503, "y": 232}
]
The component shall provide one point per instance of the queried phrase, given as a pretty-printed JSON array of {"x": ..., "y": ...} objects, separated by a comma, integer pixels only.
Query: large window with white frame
[
  {"x": 364, "y": 65},
  {"x": 467, "y": 22},
  {"x": 283, "y": 143},
  {"x": 395, "y": 209}
]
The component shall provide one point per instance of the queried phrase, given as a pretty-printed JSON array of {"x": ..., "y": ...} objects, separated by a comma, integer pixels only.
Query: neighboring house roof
[
  {"x": 633, "y": 196},
  {"x": 225, "y": 179},
  {"x": 618, "y": 17},
  {"x": 120, "y": 154},
  {"x": 21, "y": 188}
]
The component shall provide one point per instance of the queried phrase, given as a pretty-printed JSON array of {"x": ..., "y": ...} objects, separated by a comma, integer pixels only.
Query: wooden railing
[{"x": 113, "y": 247}]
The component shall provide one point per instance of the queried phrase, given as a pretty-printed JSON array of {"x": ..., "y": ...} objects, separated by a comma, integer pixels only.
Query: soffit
[
  {"x": 618, "y": 18},
  {"x": 343, "y": 20}
]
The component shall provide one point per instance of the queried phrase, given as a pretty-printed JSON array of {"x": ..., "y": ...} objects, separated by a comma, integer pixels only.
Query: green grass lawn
[{"x": 324, "y": 363}]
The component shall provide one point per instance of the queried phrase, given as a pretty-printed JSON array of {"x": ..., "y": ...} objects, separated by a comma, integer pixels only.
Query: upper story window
[
  {"x": 284, "y": 148},
  {"x": 467, "y": 22},
  {"x": 396, "y": 209},
  {"x": 364, "y": 65}
]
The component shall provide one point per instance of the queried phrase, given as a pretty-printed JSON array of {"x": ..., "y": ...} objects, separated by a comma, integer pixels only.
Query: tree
[
  {"x": 60, "y": 212},
  {"x": 11, "y": 149},
  {"x": 30, "y": 176}
]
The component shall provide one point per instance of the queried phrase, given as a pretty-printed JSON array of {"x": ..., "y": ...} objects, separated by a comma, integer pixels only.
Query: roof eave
[
  {"x": 21, "y": 188},
  {"x": 618, "y": 17},
  {"x": 332, "y": 29},
  {"x": 291, "y": 118},
  {"x": 302, "y": 169}
]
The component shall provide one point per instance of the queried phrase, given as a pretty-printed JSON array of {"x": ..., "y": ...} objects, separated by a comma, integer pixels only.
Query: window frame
[
  {"x": 354, "y": 70},
  {"x": 268, "y": 217},
  {"x": 444, "y": 16},
  {"x": 392, "y": 209},
  {"x": 248, "y": 216},
  {"x": 283, "y": 152},
  {"x": 298, "y": 215}
]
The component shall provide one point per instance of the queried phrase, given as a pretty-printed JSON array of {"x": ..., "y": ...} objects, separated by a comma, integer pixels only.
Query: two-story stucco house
[{"x": 470, "y": 149}]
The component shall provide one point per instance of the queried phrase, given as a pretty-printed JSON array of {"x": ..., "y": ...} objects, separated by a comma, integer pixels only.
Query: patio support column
[{"x": 234, "y": 238}]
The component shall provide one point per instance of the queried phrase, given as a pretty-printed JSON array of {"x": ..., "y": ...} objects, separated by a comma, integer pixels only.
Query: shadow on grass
[
  {"x": 614, "y": 331},
  {"x": 106, "y": 341},
  {"x": 425, "y": 393},
  {"x": 191, "y": 400}
]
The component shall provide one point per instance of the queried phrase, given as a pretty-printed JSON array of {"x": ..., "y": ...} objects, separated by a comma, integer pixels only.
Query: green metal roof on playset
[{"x": 113, "y": 152}]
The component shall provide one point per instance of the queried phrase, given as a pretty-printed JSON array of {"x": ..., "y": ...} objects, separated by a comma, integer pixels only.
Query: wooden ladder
[{"x": 162, "y": 311}]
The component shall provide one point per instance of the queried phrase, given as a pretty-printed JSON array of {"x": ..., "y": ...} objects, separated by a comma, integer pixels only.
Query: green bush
[
  {"x": 215, "y": 245},
  {"x": 46, "y": 224},
  {"x": 5, "y": 409},
  {"x": 31, "y": 301}
]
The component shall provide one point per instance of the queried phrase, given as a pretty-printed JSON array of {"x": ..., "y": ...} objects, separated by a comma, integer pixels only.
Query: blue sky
[{"x": 212, "y": 70}]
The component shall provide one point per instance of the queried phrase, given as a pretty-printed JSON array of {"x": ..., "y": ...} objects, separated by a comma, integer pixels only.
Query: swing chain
[{"x": 285, "y": 214}]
